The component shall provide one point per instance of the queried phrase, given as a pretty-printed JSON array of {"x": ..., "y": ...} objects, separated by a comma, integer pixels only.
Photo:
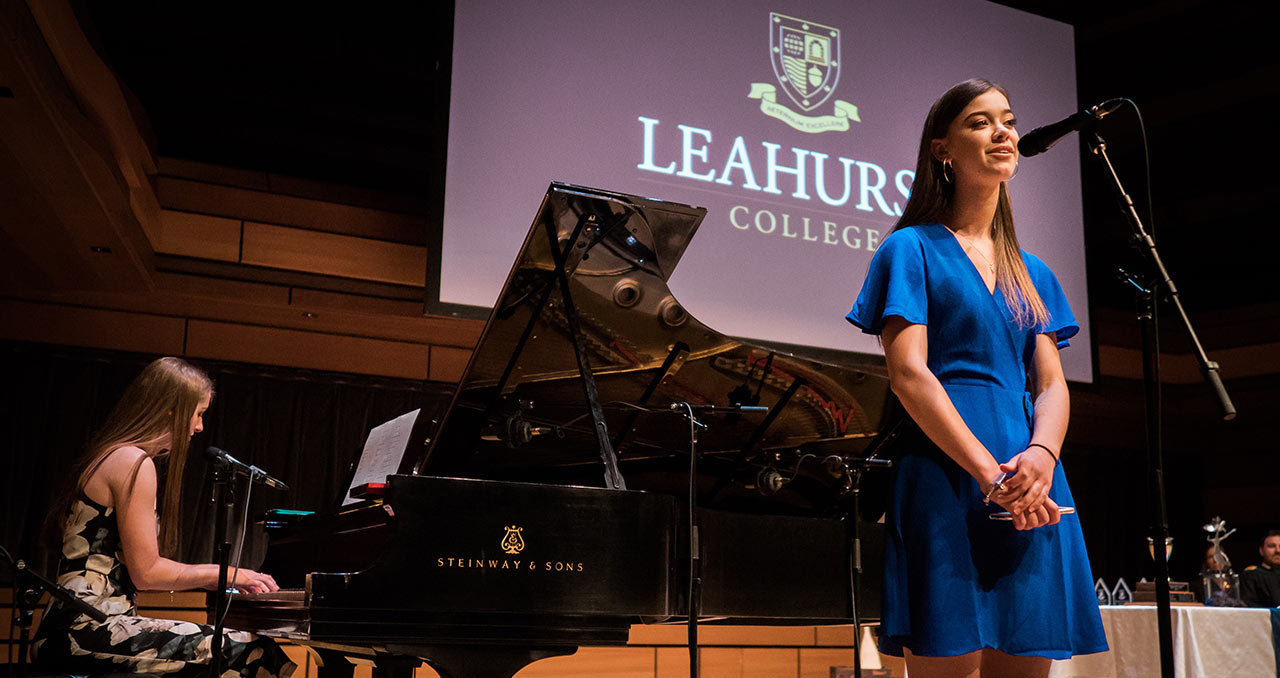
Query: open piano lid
[{"x": 521, "y": 410}]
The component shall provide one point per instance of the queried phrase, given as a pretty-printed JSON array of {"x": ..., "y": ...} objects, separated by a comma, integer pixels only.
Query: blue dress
[{"x": 956, "y": 581}]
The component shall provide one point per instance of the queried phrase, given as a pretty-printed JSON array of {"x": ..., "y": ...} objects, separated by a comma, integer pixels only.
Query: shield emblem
[{"x": 806, "y": 59}]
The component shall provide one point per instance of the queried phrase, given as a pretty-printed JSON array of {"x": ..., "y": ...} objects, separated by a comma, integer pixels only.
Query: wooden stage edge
[{"x": 654, "y": 651}]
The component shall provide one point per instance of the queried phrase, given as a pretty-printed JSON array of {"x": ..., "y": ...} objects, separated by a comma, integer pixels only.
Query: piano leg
[{"x": 477, "y": 661}]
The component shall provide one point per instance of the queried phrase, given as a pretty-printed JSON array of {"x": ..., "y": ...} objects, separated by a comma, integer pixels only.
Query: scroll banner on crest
[{"x": 768, "y": 96}]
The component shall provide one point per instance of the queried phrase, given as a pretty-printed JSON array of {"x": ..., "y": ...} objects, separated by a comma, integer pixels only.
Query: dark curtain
[{"x": 302, "y": 426}]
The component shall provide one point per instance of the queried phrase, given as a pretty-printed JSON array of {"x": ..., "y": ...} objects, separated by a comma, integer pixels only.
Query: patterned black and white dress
[{"x": 93, "y": 569}]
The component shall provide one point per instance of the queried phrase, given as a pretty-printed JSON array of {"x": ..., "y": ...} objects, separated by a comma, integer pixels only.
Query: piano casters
[
  {"x": 29, "y": 585},
  {"x": 225, "y": 468}
]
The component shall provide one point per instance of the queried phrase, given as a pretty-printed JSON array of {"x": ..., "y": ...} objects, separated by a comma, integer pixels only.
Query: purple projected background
[{"x": 652, "y": 99}]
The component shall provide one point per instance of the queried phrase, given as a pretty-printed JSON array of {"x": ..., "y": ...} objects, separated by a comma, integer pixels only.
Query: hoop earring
[
  {"x": 1015, "y": 173},
  {"x": 946, "y": 165}
]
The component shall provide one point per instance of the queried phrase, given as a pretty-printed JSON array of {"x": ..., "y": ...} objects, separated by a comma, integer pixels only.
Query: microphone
[
  {"x": 220, "y": 457},
  {"x": 1041, "y": 139},
  {"x": 719, "y": 408}
]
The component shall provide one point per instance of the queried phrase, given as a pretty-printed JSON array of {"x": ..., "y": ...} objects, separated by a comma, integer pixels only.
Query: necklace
[{"x": 990, "y": 266}]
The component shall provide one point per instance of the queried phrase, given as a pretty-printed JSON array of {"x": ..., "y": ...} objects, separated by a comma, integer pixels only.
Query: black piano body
[{"x": 546, "y": 506}]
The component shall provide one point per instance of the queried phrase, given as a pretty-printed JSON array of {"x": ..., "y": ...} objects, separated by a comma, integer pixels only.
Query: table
[{"x": 1208, "y": 642}]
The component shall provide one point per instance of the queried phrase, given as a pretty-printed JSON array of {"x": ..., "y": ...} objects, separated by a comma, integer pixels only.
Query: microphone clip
[{"x": 222, "y": 459}]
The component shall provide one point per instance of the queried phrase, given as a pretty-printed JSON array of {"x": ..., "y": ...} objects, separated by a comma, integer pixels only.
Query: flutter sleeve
[
  {"x": 1061, "y": 320},
  {"x": 895, "y": 285}
]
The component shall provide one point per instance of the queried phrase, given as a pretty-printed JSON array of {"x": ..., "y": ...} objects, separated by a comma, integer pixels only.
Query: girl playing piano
[{"x": 111, "y": 544}]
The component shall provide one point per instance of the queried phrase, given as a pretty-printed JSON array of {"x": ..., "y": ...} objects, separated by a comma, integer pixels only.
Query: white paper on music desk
[{"x": 383, "y": 450}]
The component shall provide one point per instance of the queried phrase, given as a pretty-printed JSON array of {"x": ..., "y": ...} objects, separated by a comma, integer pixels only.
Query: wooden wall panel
[
  {"x": 1182, "y": 368},
  {"x": 716, "y": 662},
  {"x": 817, "y": 663},
  {"x": 319, "y": 299},
  {"x": 174, "y": 286},
  {"x": 311, "y": 350},
  {"x": 91, "y": 327},
  {"x": 249, "y": 205},
  {"x": 765, "y": 636},
  {"x": 198, "y": 235},
  {"x": 64, "y": 160},
  {"x": 730, "y": 662},
  {"x": 447, "y": 363},
  {"x": 839, "y": 636},
  {"x": 344, "y": 256},
  {"x": 658, "y": 634},
  {"x": 1246, "y": 361},
  {"x": 770, "y": 663}
]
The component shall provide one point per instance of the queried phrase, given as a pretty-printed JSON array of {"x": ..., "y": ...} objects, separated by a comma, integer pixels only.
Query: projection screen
[{"x": 795, "y": 124}]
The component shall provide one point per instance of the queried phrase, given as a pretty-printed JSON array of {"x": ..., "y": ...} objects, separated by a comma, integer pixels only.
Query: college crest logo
[
  {"x": 512, "y": 542},
  {"x": 806, "y": 63}
]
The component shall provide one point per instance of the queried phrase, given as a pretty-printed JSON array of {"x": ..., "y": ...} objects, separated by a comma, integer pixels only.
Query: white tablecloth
[{"x": 1208, "y": 642}]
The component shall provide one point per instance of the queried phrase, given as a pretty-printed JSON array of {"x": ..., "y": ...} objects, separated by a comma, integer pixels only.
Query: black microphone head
[
  {"x": 218, "y": 456},
  {"x": 1026, "y": 149}
]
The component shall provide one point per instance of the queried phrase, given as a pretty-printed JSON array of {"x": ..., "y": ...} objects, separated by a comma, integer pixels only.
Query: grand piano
[{"x": 547, "y": 506}]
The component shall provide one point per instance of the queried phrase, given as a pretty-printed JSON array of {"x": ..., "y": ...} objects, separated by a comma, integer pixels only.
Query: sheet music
[{"x": 383, "y": 450}]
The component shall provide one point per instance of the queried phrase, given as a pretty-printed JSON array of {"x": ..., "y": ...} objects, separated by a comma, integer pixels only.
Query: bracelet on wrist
[
  {"x": 1046, "y": 449},
  {"x": 997, "y": 485}
]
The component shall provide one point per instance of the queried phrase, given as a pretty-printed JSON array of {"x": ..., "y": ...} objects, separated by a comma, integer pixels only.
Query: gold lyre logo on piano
[{"x": 512, "y": 542}]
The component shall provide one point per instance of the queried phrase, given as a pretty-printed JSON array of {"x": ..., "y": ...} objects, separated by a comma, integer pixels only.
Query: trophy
[
  {"x": 1221, "y": 585},
  {"x": 1121, "y": 595},
  {"x": 1102, "y": 592},
  {"x": 1179, "y": 591},
  {"x": 1168, "y": 548}
]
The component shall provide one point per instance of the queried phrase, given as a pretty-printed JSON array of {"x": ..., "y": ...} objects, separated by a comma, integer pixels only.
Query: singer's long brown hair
[
  {"x": 931, "y": 197},
  {"x": 161, "y": 400}
]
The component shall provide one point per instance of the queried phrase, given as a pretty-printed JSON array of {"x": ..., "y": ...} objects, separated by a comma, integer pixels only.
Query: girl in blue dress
[{"x": 971, "y": 327}]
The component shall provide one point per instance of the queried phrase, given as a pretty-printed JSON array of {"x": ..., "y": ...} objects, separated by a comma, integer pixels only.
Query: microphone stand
[
  {"x": 853, "y": 470},
  {"x": 1146, "y": 297},
  {"x": 28, "y": 587},
  {"x": 223, "y": 501},
  {"x": 694, "y": 585},
  {"x": 855, "y": 569}
]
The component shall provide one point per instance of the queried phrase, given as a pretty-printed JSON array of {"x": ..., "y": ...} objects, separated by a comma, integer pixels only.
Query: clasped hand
[{"x": 1026, "y": 494}]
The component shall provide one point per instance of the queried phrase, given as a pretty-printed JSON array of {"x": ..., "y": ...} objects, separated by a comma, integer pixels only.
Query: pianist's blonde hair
[{"x": 159, "y": 401}]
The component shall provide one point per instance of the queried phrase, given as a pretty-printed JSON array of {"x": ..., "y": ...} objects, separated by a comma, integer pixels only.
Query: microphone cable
[
  {"x": 235, "y": 569},
  {"x": 1146, "y": 159}
]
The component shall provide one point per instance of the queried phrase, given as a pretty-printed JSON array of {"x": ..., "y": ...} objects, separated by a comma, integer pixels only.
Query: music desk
[{"x": 1208, "y": 642}]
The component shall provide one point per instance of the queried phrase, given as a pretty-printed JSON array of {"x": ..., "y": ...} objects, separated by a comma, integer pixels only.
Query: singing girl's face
[{"x": 982, "y": 142}]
